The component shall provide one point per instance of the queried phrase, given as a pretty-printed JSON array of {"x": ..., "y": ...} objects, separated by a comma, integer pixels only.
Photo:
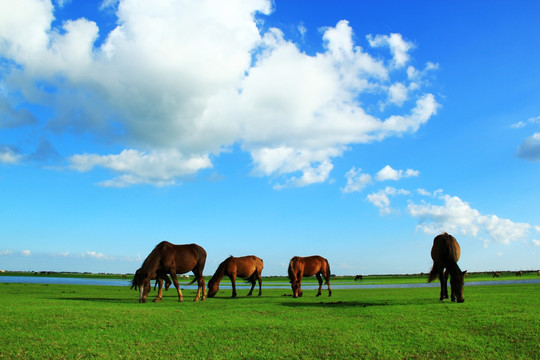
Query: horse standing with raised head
[
  {"x": 245, "y": 267},
  {"x": 445, "y": 254},
  {"x": 167, "y": 258},
  {"x": 300, "y": 267}
]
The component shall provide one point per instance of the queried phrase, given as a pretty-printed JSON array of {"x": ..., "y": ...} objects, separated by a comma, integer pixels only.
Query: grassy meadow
[{"x": 82, "y": 321}]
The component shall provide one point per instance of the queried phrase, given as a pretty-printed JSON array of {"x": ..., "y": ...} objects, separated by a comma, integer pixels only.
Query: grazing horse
[
  {"x": 300, "y": 267},
  {"x": 167, "y": 258},
  {"x": 519, "y": 273},
  {"x": 445, "y": 254},
  {"x": 245, "y": 267},
  {"x": 496, "y": 274},
  {"x": 358, "y": 277}
]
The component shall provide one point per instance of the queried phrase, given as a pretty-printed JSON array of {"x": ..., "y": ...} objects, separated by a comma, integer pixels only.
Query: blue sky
[{"x": 353, "y": 130}]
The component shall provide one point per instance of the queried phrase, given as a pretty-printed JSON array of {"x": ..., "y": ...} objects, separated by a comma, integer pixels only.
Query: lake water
[{"x": 242, "y": 285}]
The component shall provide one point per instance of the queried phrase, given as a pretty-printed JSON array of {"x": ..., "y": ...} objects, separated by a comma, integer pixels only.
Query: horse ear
[{"x": 463, "y": 273}]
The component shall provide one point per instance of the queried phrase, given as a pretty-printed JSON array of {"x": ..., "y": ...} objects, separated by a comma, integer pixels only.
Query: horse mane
[{"x": 220, "y": 272}]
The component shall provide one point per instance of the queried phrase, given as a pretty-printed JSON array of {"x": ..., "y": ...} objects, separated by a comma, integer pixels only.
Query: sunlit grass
[{"x": 71, "y": 321}]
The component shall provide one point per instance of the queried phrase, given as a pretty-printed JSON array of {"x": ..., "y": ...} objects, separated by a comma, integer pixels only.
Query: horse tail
[
  {"x": 433, "y": 274},
  {"x": 328, "y": 272}
]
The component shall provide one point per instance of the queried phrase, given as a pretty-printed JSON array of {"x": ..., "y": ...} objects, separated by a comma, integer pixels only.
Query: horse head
[
  {"x": 141, "y": 282},
  {"x": 213, "y": 288},
  {"x": 456, "y": 286}
]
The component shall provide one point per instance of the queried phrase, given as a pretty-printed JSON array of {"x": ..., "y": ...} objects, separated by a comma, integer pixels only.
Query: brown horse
[
  {"x": 445, "y": 254},
  {"x": 519, "y": 273},
  {"x": 167, "y": 258},
  {"x": 300, "y": 267},
  {"x": 358, "y": 277},
  {"x": 245, "y": 267},
  {"x": 496, "y": 274}
]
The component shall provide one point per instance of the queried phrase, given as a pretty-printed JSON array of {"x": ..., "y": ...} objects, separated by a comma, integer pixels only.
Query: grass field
[{"x": 76, "y": 321}]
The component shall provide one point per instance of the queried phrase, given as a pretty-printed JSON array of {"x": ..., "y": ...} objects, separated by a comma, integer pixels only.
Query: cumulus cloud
[
  {"x": 25, "y": 252},
  {"x": 6, "y": 252},
  {"x": 158, "y": 167},
  {"x": 175, "y": 84},
  {"x": 356, "y": 180},
  {"x": 530, "y": 148},
  {"x": 397, "y": 45},
  {"x": 457, "y": 216},
  {"x": 388, "y": 173},
  {"x": 381, "y": 199}
]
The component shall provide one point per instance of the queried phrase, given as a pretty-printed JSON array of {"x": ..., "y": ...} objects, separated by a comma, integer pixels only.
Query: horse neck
[
  {"x": 219, "y": 274},
  {"x": 453, "y": 268},
  {"x": 151, "y": 264}
]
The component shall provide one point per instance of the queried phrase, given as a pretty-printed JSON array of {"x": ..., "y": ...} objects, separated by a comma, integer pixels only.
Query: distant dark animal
[
  {"x": 300, "y": 267},
  {"x": 445, "y": 254},
  {"x": 519, "y": 273},
  {"x": 358, "y": 277},
  {"x": 496, "y": 274},
  {"x": 245, "y": 267},
  {"x": 167, "y": 258},
  {"x": 538, "y": 272}
]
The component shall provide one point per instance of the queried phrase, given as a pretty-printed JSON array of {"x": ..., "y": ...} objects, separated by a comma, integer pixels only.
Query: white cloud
[
  {"x": 457, "y": 216},
  {"x": 530, "y": 148},
  {"x": 381, "y": 199},
  {"x": 398, "y": 47},
  {"x": 25, "y": 253},
  {"x": 9, "y": 156},
  {"x": 388, "y": 173},
  {"x": 99, "y": 256},
  {"x": 158, "y": 167},
  {"x": 6, "y": 252},
  {"x": 536, "y": 242},
  {"x": 206, "y": 79},
  {"x": 398, "y": 94},
  {"x": 356, "y": 180}
]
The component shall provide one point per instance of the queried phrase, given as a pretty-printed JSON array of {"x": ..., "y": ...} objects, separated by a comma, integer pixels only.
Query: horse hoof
[
  {"x": 318, "y": 295},
  {"x": 156, "y": 300}
]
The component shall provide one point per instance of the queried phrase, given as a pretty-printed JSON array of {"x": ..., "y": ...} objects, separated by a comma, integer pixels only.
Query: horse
[
  {"x": 167, "y": 258},
  {"x": 300, "y": 267},
  {"x": 246, "y": 267},
  {"x": 358, "y": 277},
  {"x": 519, "y": 273},
  {"x": 445, "y": 254},
  {"x": 496, "y": 274}
]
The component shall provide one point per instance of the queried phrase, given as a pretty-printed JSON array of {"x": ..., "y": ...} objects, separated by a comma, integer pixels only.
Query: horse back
[
  {"x": 245, "y": 266},
  {"x": 445, "y": 249},
  {"x": 185, "y": 257},
  {"x": 313, "y": 265}
]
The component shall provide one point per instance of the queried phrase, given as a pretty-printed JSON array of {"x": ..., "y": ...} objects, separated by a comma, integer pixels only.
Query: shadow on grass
[
  {"x": 100, "y": 299},
  {"x": 293, "y": 303}
]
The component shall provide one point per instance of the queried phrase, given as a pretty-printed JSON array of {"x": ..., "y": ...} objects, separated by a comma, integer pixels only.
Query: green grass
[{"x": 75, "y": 321}]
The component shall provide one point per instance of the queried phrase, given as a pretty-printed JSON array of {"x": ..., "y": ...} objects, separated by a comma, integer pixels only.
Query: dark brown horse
[
  {"x": 445, "y": 254},
  {"x": 496, "y": 274},
  {"x": 300, "y": 267},
  {"x": 245, "y": 267},
  {"x": 358, "y": 277},
  {"x": 519, "y": 273},
  {"x": 167, "y": 258}
]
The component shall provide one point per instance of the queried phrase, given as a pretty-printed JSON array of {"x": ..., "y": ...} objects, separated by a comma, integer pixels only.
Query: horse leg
[
  {"x": 260, "y": 284},
  {"x": 328, "y": 283},
  {"x": 300, "y": 276},
  {"x": 443, "y": 278},
  {"x": 159, "y": 282},
  {"x": 200, "y": 284},
  {"x": 253, "y": 281},
  {"x": 318, "y": 275},
  {"x": 233, "y": 282},
  {"x": 177, "y": 285}
]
